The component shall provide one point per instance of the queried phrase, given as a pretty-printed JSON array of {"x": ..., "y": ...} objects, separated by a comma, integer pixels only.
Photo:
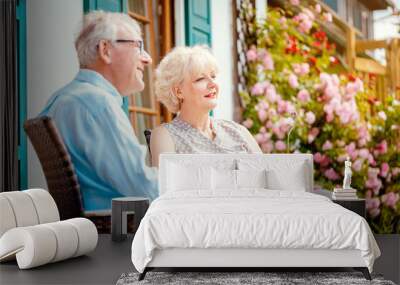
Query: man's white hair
[{"x": 100, "y": 25}]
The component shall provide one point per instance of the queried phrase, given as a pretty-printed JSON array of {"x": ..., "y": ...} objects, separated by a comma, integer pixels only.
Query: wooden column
[
  {"x": 350, "y": 47},
  {"x": 167, "y": 42}
]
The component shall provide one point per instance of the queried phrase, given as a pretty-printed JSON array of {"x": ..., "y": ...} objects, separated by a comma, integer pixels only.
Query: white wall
[
  {"x": 51, "y": 59},
  {"x": 222, "y": 47}
]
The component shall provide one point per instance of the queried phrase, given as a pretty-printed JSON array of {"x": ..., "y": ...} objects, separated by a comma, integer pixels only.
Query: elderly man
[{"x": 108, "y": 158}]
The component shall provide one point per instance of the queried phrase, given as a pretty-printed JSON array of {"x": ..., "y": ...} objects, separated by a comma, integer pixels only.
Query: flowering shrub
[{"x": 296, "y": 85}]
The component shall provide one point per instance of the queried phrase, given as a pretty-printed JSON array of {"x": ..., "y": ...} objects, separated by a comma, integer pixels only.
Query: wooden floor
[{"x": 102, "y": 266}]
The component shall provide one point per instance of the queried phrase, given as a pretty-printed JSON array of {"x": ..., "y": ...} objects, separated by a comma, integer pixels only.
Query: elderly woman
[{"x": 186, "y": 84}]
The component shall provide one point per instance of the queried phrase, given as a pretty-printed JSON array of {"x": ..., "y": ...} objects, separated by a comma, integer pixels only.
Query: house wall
[{"x": 51, "y": 60}]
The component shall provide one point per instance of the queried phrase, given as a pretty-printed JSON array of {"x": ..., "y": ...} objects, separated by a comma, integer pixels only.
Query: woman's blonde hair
[{"x": 175, "y": 67}]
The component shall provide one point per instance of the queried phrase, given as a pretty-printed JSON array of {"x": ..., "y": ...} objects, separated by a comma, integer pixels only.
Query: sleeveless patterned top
[{"x": 228, "y": 137}]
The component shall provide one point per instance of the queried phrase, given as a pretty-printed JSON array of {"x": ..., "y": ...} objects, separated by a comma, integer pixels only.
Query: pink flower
[
  {"x": 357, "y": 165},
  {"x": 371, "y": 160},
  {"x": 329, "y": 117},
  {"x": 325, "y": 79},
  {"x": 305, "y": 26},
  {"x": 290, "y": 108},
  {"x": 341, "y": 158},
  {"x": 262, "y": 105},
  {"x": 312, "y": 135},
  {"x": 318, "y": 8},
  {"x": 363, "y": 153},
  {"x": 295, "y": 2},
  {"x": 331, "y": 174},
  {"x": 280, "y": 145},
  {"x": 318, "y": 157},
  {"x": 270, "y": 93},
  {"x": 327, "y": 145},
  {"x": 248, "y": 123},
  {"x": 321, "y": 159},
  {"x": 384, "y": 169},
  {"x": 301, "y": 69},
  {"x": 352, "y": 151},
  {"x": 395, "y": 171},
  {"x": 390, "y": 199},
  {"x": 327, "y": 17},
  {"x": 262, "y": 115},
  {"x": 267, "y": 147},
  {"x": 372, "y": 205},
  {"x": 382, "y": 115},
  {"x": 304, "y": 68},
  {"x": 257, "y": 89},
  {"x": 303, "y": 95},
  {"x": 261, "y": 138},
  {"x": 373, "y": 181},
  {"x": 268, "y": 61},
  {"x": 293, "y": 81},
  {"x": 381, "y": 148},
  {"x": 282, "y": 105},
  {"x": 278, "y": 131},
  {"x": 251, "y": 54},
  {"x": 310, "y": 117}
]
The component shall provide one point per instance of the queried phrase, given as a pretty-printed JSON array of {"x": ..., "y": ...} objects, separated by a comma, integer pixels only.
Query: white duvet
[{"x": 255, "y": 218}]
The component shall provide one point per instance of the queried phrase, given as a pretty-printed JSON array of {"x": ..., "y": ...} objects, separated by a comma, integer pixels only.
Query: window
[
  {"x": 155, "y": 18},
  {"x": 361, "y": 18},
  {"x": 333, "y": 4},
  {"x": 143, "y": 108}
]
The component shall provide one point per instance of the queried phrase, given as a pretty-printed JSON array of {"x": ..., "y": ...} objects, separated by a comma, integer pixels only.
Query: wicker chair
[{"x": 59, "y": 171}]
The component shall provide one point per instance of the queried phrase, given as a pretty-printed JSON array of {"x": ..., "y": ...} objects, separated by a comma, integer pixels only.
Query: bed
[{"x": 245, "y": 211}]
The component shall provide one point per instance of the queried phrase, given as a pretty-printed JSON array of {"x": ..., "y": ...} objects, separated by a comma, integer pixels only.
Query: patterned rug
[{"x": 243, "y": 278}]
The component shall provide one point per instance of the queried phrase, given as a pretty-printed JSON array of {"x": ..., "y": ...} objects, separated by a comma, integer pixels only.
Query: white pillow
[
  {"x": 282, "y": 174},
  {"x": 292, "y": 178},
  {"x": 224, "y": 179},
  {"x": 182, "y": 177},
  {"x": 251, "y": 178}
]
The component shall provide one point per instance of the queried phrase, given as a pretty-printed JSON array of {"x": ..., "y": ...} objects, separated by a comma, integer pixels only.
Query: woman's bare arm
[{"x": 161, "y": 141}]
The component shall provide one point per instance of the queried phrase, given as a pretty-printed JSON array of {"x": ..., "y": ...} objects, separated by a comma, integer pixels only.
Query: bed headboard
[{"x": 230, "y": 161}]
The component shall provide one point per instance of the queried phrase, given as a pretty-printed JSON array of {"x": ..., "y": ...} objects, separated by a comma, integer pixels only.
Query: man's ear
[{"x": 104, "y": 50}]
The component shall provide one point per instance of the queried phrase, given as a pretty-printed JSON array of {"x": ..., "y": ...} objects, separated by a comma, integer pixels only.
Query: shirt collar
[{"x": 96, "y": 79}]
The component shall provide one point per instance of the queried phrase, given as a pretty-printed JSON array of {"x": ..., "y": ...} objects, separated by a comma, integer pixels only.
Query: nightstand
[
  {"x": 121, "y": 208},
  {"x": 355, "y": 205}
]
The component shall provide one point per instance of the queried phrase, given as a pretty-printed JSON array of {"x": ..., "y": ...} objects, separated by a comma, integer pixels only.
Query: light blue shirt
[{"x": 107, "y": 156}]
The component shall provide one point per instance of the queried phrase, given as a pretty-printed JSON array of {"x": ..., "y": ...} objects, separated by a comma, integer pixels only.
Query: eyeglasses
[{"x": 137, "y": 43}]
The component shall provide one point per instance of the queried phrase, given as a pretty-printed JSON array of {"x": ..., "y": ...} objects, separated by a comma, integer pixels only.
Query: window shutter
[
  {"x": 198, "y": 22},
  {"x": 22, "y": 97},
  {"x": 110, "y": 6}
]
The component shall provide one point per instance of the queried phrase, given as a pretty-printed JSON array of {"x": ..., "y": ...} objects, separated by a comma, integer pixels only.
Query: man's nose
[{"x": 146, "y": 58}]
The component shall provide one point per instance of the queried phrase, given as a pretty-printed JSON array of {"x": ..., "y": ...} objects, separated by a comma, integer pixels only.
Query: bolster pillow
[
  {"x": 40, "y": 244},
  {"x": 26, "y": 208}
]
